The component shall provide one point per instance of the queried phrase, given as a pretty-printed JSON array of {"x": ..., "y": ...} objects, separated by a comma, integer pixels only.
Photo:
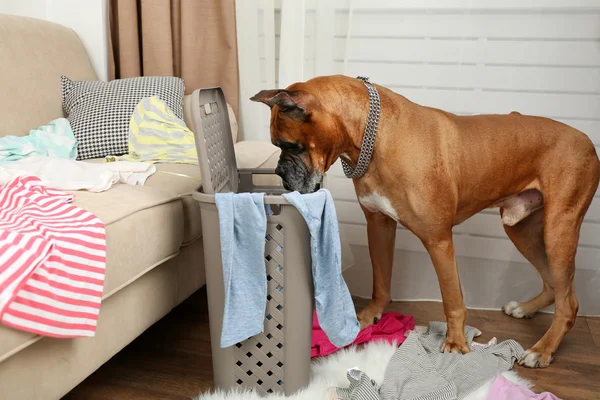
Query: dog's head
[{"x": 307, "y": 134}]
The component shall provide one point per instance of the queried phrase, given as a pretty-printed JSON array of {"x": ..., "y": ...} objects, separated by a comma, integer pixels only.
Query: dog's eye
[{"x": 291, "y": 147}]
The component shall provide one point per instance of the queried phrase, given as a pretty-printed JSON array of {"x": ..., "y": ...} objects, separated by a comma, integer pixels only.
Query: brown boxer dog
[{"x": 431, "y": 170}]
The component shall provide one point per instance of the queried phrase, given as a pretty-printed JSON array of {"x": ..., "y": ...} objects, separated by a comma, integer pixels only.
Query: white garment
[{"x": 65, "y": 174}]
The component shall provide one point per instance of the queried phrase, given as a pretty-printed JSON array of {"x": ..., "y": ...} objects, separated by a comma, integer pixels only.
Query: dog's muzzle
[{"x": 295, "y": 175}]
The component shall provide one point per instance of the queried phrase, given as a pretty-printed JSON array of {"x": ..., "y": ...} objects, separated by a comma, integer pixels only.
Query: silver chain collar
[{"x": 368, "y": 142}]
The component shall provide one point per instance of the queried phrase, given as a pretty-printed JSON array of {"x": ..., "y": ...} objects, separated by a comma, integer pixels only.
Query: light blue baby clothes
[
  {"x": 55, "y": 139},
  {"x": 243, "y": 227},
  {"x": 335, "y": 309}
]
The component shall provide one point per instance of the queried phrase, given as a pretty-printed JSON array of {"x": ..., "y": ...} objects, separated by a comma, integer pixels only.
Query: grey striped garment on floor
[{"x": 418, "y": 370}]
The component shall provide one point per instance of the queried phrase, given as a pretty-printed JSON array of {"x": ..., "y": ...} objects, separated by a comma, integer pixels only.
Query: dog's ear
[
  {"x": 266, "y": 96},
  {"x": 290, "y": 103}
]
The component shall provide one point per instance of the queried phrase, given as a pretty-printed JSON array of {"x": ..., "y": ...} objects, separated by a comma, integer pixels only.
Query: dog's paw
[
  {"x": 536, "y": 359},
  {"x": 515, "y": 309},
  {"x": 458, "y": 346},
  {"x": 368, "y": 316}
]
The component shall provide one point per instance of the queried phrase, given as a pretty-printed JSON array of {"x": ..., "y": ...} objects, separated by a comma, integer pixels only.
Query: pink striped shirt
[{"x": 52, "y": 261}]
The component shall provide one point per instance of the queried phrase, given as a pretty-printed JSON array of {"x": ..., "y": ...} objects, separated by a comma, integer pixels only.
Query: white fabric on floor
[
  {"x": 65, "y": 174},
  {"x": 331, "y": 372}
]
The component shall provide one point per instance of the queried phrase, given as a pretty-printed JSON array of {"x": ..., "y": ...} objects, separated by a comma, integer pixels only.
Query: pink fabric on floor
[
  {"x": 503, "y": 389},
  {"x": 391, "y": 327}
]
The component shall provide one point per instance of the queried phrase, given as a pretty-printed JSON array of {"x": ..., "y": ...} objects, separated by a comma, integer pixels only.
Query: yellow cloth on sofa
[{"x": 157, "y": 135}]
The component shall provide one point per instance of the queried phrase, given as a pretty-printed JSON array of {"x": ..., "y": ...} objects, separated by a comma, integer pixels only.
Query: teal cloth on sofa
[{"x": 56, "y": 139}]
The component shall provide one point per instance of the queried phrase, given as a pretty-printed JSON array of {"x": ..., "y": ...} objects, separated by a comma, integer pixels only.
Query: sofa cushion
[
  {"x": 144, "y": 227},
  {"x": 181, "y": 179},
  {"x": 12, "y": 341}
]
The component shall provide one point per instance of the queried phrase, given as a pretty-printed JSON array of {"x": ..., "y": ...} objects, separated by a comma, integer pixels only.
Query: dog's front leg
[
  {"x": 441, "y": 251},
  {"x": 381, "y": 231}
]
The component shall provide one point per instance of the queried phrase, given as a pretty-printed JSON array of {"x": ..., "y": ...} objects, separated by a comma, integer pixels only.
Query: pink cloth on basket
[
  {"x": 391, "y": 327},
  {"x": 503, "y": 389}
]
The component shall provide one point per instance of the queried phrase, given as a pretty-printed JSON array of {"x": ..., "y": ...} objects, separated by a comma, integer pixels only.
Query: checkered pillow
[{"x": 99, "y": 111}]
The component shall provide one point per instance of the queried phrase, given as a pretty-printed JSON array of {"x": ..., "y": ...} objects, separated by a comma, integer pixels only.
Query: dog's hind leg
[
  {"x": 561, "y": 233},
  {"x": 566, "y": 203},
  {"x": 528, "y": 237}
]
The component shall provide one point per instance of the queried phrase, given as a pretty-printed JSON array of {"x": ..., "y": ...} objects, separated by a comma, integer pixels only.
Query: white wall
[
  {"x": 29, "y": 8},
  {"x": 538, "y": 57},
  {"x": 88, "y": 18}
]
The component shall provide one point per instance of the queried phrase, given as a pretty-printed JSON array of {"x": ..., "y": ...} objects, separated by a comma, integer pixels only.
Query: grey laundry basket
[{"x": 277, "y": 360}]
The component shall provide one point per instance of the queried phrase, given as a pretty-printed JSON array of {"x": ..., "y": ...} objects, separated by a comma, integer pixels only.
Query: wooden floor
[{"x": 172, "y": 359}]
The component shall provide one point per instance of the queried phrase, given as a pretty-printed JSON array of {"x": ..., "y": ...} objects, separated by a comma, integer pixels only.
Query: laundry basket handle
[{"x": 214, "y": 142}]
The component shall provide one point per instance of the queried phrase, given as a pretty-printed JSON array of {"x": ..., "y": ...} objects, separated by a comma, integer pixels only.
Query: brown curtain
[{"x": 191, "y": 39}]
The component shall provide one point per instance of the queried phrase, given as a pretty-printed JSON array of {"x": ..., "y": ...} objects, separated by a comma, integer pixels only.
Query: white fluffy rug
[{"x": 331, "y": 371}]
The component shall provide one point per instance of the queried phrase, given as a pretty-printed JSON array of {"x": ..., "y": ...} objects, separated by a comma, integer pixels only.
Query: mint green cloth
[{"x": 55, "y": 140}]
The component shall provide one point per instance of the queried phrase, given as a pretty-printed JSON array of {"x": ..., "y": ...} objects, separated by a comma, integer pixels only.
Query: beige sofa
[{"x": 154, "y": 246}]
